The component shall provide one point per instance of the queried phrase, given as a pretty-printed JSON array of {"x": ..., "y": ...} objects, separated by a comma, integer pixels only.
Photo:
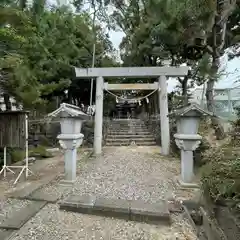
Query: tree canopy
[
  {"x": 183, "y": 31},
  {"x": 39, "y": 48}
]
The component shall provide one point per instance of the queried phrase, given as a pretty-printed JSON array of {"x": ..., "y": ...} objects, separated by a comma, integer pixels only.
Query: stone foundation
[{"x": 134, "y": 210}]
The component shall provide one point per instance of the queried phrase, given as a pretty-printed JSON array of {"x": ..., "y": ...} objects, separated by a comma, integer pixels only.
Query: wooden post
[
  {"x": 164, "y": 121},
  {"x": 98, "y": 116},
  {"x": 156, "y": 104}
]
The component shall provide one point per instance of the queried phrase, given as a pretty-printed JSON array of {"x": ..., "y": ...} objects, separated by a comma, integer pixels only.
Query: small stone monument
[
  {"x": 187, "y": 139},
  {"x": 71, "y": 119}
]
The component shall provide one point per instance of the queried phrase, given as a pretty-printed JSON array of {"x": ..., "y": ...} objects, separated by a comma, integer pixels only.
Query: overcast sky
[{"x": 230, "y": 78}]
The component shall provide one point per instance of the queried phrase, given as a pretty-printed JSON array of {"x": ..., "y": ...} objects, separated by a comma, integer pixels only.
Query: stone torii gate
[{"x": 132, "y": 72}]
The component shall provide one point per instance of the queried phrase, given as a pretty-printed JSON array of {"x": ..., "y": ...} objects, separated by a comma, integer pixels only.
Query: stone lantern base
[
  {"x": 187, "y": 143},
  {"x": 70, "y": 143}
]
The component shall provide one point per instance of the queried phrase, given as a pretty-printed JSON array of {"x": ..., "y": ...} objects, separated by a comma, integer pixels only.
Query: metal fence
[{"x": 226, "y": 101}]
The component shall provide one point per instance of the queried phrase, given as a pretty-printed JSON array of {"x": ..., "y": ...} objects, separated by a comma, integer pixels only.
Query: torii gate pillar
[
  {"x": 97, "y": 145},
  {"x": 164, "y": 120}
]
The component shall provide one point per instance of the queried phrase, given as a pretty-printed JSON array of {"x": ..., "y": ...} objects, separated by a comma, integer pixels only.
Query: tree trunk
[
  {"x": 7, "y": 102},
  {"x": 209, "y": 95},
  {"x": 184, "y": 86},
  {"x": 156, "y": 103},
  {"x": 23, "y": 4},
  {"x": 184, "y": 90},
  {"x": 218, "y": 128}
]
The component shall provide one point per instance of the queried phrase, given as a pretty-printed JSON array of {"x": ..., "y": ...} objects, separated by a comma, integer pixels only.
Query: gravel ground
[
  {"x": 57, "y": 189},
  {"x": 125, "y": 172},
  {"x": 10, "y": 206},
  {"x": 52, "y": 224},
  {"x": 131, "y": 173}
]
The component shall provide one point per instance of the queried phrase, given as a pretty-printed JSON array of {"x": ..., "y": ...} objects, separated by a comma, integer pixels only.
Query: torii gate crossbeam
[{"x": 144, "y": 72}]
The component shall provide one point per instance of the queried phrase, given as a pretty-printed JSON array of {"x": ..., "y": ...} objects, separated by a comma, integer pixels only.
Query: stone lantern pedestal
[
  {"x": 187, "y": 139},
  {"x": 187, "y": 144},
  {"x": 70, "y": 144},
  {"x": 71, "y": 119}
]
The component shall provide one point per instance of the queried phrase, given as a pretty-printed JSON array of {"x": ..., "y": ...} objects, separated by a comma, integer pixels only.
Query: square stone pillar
[
  {"x": 187, "y": 144},
  {"x": 70, "y": 145},
  {"x": 98, "y": 116},
  {"x": 187, "y": 173},
  {"x": 164, "y": 120}
]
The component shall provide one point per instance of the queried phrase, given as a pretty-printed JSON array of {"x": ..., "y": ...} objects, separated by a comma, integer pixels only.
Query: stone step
[
  {"x": 128, "y": 126},
  {"x": 128, "y": 121},
  {"x": 149, "y": 139},
  {"x": 19, "y": 218},
  {"x": 128, "y": 132},
  {"x": 134, "y": 210},
  {"x": 127, "y": 136},
  {"x": 130, "y": 143}
]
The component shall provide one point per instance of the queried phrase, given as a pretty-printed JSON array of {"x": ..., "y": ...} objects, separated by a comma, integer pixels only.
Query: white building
[
  {"x": 226, "y": 90},
  {"x": 226, "y": 100},
  {"x": 50, "y": 2},
  {"x": 63, "y": 2}
]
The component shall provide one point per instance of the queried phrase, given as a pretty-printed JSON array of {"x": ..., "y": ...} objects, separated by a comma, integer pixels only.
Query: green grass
[{"x": 40, "y": 152}]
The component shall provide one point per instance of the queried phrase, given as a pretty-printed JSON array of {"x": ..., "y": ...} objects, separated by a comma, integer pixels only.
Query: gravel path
[
  {"x": 56, "y": 188},
  {"x": 52, "y": 224},
  {"x": 124, "y": 172},
  {"x": 131, "y": 173}
]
